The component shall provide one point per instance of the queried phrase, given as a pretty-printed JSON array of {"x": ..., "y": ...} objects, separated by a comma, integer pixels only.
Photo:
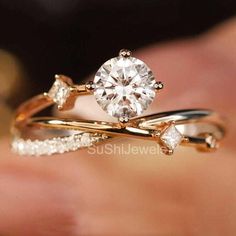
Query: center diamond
[{"x": 124, "y": 86}]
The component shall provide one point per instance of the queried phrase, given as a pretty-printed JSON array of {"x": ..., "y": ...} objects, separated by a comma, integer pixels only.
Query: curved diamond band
[
  {"x": 124, "y": 87},
  {"x": 57, "y": 145}
]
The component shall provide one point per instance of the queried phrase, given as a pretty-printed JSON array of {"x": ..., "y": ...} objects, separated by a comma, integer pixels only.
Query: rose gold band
[
  {"x": 202, "y": 129},
  {"x": 124, "y": 87}
]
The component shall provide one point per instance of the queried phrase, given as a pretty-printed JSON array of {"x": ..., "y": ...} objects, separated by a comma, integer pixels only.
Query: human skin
[{"x": 188, "y": 194}]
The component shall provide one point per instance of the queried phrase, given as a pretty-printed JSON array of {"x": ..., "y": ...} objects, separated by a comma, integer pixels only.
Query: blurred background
[{"x": 42, "y": 37}]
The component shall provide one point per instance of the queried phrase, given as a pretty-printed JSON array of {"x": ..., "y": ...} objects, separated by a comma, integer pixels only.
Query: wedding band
[{"x": 124, "y": 87}]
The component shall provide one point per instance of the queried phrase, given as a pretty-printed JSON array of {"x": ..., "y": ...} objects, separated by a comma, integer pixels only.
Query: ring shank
[{"x": 195, "y": 124}]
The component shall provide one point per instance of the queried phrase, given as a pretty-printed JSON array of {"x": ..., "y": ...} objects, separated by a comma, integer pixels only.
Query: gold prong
[
  {"x": 125, "y": 53},
  {"x": 124, "y": 119},
  {"x": 60, "y": 108},
  {"x": 157, "y": 133},
  {"x": 90, "y": 86},
  {"x": 65, "y": 79},
  {"x": 211, "y": 142},
  {"x": 158, "y": 86},
  {"x": 185, "y": 140},
  {"x": 167, "y": 124},
  {"x": 167, "y": 151},
  {"x": 57, "y": 76}
]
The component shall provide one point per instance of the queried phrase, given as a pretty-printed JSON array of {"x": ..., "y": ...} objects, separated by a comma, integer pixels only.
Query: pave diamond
[
  {"x": 171, "y": 137},
  {"x": 55, "y": 145},
  {"x": 59, "y": 92},
  {"x": 124, "y": 86}
]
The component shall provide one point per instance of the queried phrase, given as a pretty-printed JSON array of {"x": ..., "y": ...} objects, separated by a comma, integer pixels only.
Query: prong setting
[
  {"x": 167, "y": 151},
  {"x": 125, "y": 53},
  {"x": 124, "y": 85},
  {"x": 62, "y": 92},
  {"x": 211, "y": 143},
  {"x": 158, "y": 85},
  {"x": 90, "y": 86},
  {"x": 123, "y": 119}
]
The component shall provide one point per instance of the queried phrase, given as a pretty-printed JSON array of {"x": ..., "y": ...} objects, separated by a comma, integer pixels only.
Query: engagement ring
[{"x": 123, "y": 87}]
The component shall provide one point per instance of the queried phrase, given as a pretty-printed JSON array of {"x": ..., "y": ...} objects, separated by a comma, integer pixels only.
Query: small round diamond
[
  {"x": 124, "y": 87},
  {"x": 55, "y": 145}
]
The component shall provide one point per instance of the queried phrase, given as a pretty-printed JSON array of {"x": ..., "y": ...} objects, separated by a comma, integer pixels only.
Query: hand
[{"x": 190, "y": 194}]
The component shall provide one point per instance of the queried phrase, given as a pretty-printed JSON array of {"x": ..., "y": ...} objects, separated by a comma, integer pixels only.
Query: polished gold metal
[
  {"x": 200, "y": 128},
  {"x": 159, "y": 85},
  {"x": 125, "y": 53}
]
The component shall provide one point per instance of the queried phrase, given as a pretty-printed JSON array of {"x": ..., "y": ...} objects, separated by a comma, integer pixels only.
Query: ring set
[{"x": 123, "y": 87}]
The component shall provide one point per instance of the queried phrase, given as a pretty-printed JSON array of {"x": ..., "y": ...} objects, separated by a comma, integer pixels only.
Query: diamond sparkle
[
  {"x": 124, "y": 87},
  {"x": 59, "y": 92},
  {"x": 171, "y": 137},
  {"x": 55, "y": 145}
]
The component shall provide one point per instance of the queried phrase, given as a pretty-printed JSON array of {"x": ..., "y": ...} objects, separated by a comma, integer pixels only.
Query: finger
[
  {"x": 167, "y": 197},
  {"x": 35, "y": 200},
  {"x": 125, "y": 195}
]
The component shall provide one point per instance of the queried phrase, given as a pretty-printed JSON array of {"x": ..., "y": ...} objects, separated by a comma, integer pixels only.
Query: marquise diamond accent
[{"x": 171, "y": 137}]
